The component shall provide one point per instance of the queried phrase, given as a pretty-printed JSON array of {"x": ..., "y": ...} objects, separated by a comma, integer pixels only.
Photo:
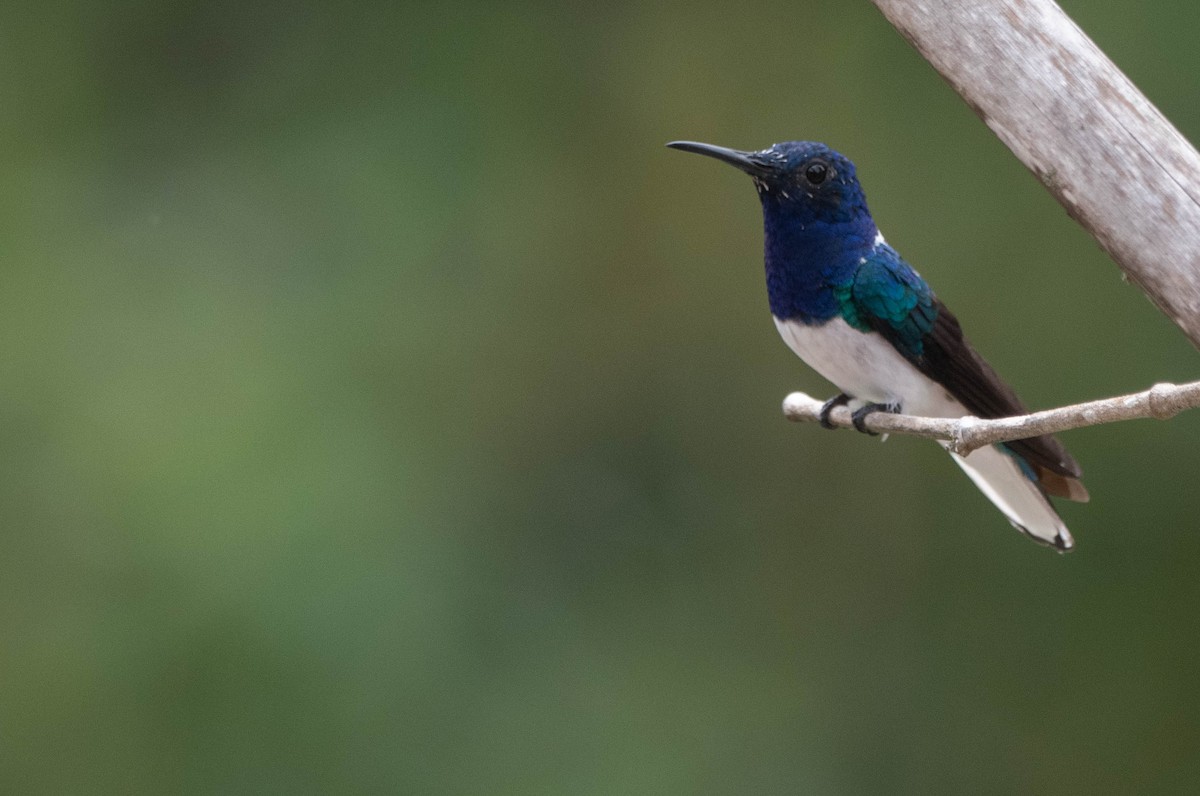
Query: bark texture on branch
[
  {"x": 965, "y": 434},
  {"x": 1069, "y": 114}
]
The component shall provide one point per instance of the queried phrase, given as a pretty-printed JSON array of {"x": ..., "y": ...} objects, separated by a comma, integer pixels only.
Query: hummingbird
[{"x": 859, "y": 315}]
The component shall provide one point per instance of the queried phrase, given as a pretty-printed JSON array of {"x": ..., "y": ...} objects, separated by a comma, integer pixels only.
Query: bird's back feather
[{"x": 889, "y": 297}]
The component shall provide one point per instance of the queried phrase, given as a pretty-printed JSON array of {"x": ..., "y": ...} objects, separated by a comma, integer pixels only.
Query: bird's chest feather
[
  {"x": 808, "y": 263},
  {"x": 865, "y": 366}
]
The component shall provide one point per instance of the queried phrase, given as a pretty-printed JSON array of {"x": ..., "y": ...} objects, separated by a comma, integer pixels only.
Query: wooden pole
[{"x": 1070, "y": 115}]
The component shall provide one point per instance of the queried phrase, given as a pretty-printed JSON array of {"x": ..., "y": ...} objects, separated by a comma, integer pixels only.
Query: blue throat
[{"x": 811, "y": 263}]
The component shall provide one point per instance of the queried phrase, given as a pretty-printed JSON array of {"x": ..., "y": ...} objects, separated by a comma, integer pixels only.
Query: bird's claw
[
  {"x": 823, "y": 417},
  {"x": 861, "y": 413}
]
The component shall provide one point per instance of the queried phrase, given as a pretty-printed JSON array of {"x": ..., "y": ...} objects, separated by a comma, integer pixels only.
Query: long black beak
[{"x": 753, "y": 163}]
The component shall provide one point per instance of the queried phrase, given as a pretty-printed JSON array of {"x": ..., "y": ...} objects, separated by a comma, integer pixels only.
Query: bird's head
[{"x": 803, "y": 181}]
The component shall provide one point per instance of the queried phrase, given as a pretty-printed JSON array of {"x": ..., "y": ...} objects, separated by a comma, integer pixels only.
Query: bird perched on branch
[{"x": 859, "y": 315}]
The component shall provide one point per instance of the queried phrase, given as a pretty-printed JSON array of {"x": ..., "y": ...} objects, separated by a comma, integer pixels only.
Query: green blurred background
[{"x": 385, "y": 410}]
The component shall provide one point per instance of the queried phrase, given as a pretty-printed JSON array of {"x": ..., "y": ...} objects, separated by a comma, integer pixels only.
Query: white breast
[{"x": 865, "y": 366}]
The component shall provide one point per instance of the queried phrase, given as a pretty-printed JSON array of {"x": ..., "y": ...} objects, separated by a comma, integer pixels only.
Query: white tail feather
[{"x": 1021, "y": 500}]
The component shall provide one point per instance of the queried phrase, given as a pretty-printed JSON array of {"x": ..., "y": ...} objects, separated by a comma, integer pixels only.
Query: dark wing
[{"x": 892, "y": 299}]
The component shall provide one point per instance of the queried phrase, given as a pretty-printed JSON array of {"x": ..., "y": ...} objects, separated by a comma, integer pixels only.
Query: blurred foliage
[{"x": 385, "y": 410}]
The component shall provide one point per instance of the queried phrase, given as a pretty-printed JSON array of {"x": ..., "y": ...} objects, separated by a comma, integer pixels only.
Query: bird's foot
[
  {"x": 861, "y": 413},
  {"x": 838, "y": 400}
]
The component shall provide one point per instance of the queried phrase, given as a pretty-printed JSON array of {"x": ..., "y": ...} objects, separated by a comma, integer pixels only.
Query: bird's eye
[{"x": 816, "y": 172}]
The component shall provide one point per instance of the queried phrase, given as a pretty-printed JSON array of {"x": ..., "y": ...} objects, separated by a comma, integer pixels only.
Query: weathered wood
[
  {"x": 965, "y": 434},
  {"x": 1069, "y": 114}
]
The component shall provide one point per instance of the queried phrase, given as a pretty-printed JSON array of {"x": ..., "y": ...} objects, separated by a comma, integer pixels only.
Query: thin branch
[
  {"x": 1069, "y": 114},
  {"x": 965, "y": 434}
]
